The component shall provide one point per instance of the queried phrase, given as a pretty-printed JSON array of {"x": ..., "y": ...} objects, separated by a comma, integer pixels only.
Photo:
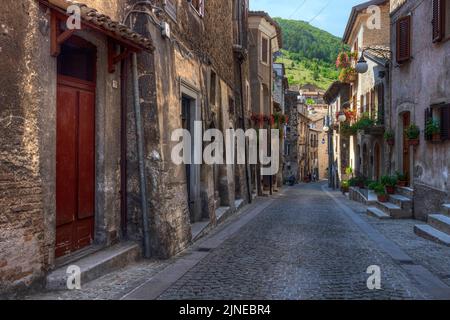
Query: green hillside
[{"x": 309, "y": 53}]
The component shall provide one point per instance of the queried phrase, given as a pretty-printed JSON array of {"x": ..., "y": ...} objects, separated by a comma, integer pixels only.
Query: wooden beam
[
  {"x": 64, "y": 36},
  {"x": 55, "y": 48},
  {"x": 114, "y": 58}
]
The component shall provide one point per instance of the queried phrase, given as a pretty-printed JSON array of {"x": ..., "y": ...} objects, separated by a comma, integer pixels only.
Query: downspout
[
  {"x": 244, "y": 127},
  {"x": 123, "y": 149},
  {"x": 141, "y": 156}
]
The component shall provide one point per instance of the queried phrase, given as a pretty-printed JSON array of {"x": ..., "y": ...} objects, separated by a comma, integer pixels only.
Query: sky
[{"x": 329, "y": 15}]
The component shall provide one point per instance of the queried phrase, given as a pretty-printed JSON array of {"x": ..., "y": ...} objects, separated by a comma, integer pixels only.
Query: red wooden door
[{"x": 75, "y": 165}]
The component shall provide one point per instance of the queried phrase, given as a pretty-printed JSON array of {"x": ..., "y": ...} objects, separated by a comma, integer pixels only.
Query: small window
[
  {"x": 171, "y": 8},
  {"x": 265, "y": 50},
  {"x": 404, "y": 39},
  {"x": 446, "y": 19},
  {"x": 77, "y": 60},
  {"x": 199, "y": 6}
]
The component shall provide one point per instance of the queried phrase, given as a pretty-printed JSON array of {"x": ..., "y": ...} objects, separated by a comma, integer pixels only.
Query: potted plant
[
  {"x": 389, "y": 182},
  {"x": 348, "y": 75},
  {"x": 402, "y": 179},
  {"x": 433, "y": 130},
  {"x": 360, "y": 182},
  {"x": 345, "y": 186},
  {"x": 412, "y": 133},
  {"x": 373, "y": 185},
  {"x": 381, "y": 193},
  {"x": 389, "y": 136}
]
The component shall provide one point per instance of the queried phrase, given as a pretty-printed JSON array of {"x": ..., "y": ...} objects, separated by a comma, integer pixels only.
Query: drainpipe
[
  {"x": 123, "y": 148},
  {"x": 141, "y": 155},
  {"x": 244, "y": 127}
]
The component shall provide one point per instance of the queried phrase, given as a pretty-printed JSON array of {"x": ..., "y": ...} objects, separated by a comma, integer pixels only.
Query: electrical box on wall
[{"x": 165, "y": 30}]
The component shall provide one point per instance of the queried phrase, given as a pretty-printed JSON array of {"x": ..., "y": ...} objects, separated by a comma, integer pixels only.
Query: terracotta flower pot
[
  {"x": 414, "y": 142},
  {"x": 437, "y": 137},
  {"x": 383, "y": 198},
  {"x": 390, "y": 190},
  {"x": 402, "y": 183},
  {"x": 360, "y": 185}
]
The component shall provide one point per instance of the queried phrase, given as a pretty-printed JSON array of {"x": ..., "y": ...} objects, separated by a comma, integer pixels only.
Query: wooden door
[
  {"x": 406, "y": 155},
  {"x": 75, "y": 165}
]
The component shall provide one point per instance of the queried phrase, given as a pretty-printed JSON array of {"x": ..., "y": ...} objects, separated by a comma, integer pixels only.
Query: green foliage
[
  {"x": 389, "y": 135},
  {"x": 389, "y": 181},
  {"x": 379, "y": 189},
  {"x": 432, "y": 127},
  {"x": 373, "y": 185},
  {"x": 401, "y": 176},
  {"x": 309, "y": 53},
  {"x": 412, "y": 132},
  {"x": 349, "y": 171},
  {"x": 364, "y": 123},
  {"x": 309, "y": 42},
  {"x": 345, "y": 184}
]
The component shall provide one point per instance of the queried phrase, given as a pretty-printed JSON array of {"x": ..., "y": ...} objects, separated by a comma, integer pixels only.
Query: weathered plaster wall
[
  {"x": 415, "y": 86},
  {"x": 28, "y": 149}
]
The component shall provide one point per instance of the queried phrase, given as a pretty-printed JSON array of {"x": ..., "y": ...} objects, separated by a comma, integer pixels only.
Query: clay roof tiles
[{"x": 103, "y": 21}]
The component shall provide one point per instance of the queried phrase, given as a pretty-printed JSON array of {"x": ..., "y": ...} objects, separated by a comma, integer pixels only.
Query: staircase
[
  {"x": 438, "y": 227},
  {"x": 399, "y": 206}
]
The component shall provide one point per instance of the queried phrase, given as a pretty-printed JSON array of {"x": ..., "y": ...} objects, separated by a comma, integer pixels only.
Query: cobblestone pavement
[{"x": 300, "y": 247}]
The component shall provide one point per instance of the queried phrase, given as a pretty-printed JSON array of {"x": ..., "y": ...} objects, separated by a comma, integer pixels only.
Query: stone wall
[
  {"x": 28, "y": 149},
  {"x": 416, "y": 85}
]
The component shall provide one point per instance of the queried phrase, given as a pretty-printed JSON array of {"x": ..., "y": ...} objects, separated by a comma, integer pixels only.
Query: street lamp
[
  {"x": 362, "y": 65},
  {"x": 342, "y": 117},
  {"x": 326, "y": 128}
]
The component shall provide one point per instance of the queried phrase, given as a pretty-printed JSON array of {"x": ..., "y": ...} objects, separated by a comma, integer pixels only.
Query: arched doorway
[{"x": 377, "y": 162}]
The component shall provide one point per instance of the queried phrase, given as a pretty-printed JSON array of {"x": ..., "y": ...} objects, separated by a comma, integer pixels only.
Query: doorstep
[
  {"x": 198, "y": 229},
  {"x": 95, "y": 265}
]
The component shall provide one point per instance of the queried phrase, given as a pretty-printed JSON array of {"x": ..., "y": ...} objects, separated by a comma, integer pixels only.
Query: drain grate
[{"x": 204, "y": 249}]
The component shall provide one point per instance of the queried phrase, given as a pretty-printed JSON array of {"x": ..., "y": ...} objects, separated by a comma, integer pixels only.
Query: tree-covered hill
[{"x": 309, "y": 53}]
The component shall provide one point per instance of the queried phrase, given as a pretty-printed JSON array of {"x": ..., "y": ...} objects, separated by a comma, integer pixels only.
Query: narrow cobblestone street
[{"x": 300, "y": 246}]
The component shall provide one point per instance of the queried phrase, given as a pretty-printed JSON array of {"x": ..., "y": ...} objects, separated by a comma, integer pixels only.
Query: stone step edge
[
  {"x": 428, "y": 232},
  {"x": 95, "y": 265}
]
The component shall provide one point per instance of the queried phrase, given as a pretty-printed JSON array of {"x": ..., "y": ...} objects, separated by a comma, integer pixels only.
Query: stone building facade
[
  {"x": 296, "y": 145},
  {"x": 265, "y": 40},
  {"x": 184, "y": 74},
  {"x": 369, "y": 96},
  {"x": 337, "y": 97},
  {"x": 420, "y": 93}
]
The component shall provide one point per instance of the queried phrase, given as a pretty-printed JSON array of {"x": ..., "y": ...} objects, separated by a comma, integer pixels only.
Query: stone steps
[
  {"x": 377, "y": 213},
  {"x": 393, "y": 210},
  {"x": 403, "y": 202},
  {"x": 446, "y": 209},
  {"x": 430, "y": 233},
  {"x": 440, "y": 222},
  {"x": 95, "y": 265},
  {"x": 405, "y": 191}
]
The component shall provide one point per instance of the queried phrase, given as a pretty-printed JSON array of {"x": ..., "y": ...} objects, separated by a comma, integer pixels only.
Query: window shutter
[
  {"x": 445, "y": 123},
  {"x": 428, "y": 117},
  {"x": 404, "y": 39},
  {"x": 202, "y": 7},
  {"x": 438, "y": 20}
]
